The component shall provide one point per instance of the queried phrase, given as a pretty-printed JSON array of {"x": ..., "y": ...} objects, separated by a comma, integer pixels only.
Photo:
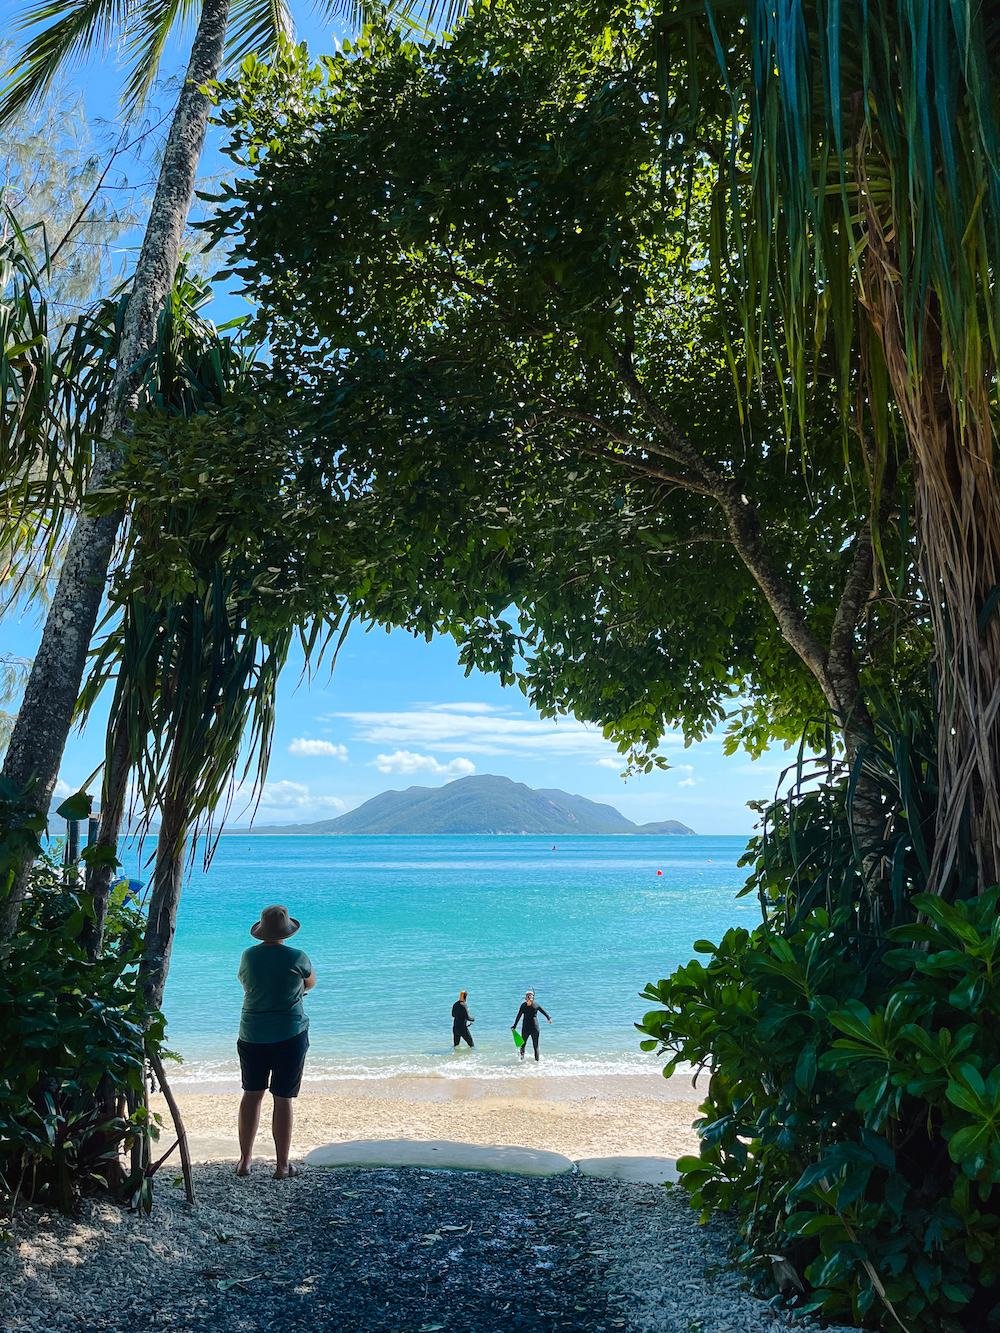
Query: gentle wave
[
  {"x": 396, "y": 927},
  {"x": 445, "y": 1065}
]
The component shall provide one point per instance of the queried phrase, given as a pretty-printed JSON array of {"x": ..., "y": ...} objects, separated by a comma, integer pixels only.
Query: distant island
[{"x": 483, "y": 804}]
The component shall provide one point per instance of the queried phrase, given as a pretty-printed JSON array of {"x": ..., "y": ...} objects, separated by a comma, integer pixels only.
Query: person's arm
[
  {"x": 519, "y": 1013},
  {"x": 310, "y": 980},
  {"x": 542, "y": 1011}
]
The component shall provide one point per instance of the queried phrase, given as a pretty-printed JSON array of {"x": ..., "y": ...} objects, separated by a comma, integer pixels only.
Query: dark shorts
[{"x": 281, "y": 1061}]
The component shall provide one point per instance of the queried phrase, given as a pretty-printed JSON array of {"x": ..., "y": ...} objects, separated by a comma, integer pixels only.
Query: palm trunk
[
  {"x": 117, "y": 768},
  {"x": 958, "y": 513},
  {"x": 39, "y": 738},
  {"x": 168, "y": 878},
  {"x": 958, "y": 525}
]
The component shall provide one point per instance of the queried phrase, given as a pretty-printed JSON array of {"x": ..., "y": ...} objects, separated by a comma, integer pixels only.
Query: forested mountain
[{"x": 484, "y": 803}]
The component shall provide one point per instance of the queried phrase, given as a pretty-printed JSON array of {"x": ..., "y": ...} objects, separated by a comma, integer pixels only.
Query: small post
[
  {"x": 72, "y": 841},
  {"x": 93, "y": 825},
  {"x": 179, "y": 1130}
]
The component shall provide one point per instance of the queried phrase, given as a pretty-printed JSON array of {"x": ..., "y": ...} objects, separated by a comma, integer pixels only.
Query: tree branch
[
  {"x": 843, "y": 666},
  {"x": 745, "y": 532},
  {"x": 644, "y": 469}
]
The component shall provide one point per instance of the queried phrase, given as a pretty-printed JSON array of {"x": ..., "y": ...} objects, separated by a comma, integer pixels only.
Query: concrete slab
[
  {"x": 205, "y": 1148},
  {"x": 634, "y": 1170},
  {"x": 441, "y": 1155}
]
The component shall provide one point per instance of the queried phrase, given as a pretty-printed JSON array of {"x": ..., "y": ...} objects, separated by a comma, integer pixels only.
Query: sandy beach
[{"x": 577, "y": 1117}]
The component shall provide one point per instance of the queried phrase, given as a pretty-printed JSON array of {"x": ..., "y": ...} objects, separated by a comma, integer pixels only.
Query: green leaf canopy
[{"x": 506, "y": 335}]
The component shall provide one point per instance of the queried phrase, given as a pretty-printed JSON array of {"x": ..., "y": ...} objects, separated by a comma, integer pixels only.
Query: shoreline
[
  {"x": 528, "y": 1085},
  {"x": 538, "y": 1114}
]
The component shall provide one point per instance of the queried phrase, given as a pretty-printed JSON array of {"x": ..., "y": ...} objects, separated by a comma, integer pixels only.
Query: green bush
[
  {"x": 852, "y": 1121},
  {"x": 74, "y": 1042}
]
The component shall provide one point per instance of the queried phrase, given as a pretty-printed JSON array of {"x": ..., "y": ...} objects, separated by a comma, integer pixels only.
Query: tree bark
[
  {"x": 117, "y": 767},
  {"x": 834, "y": 668},
  {"x": 43, "y": 722},
  {"x": 958, "y": 526},
  {"x": 179, "y": 1130},
  {"x": 165, "y": 895}
]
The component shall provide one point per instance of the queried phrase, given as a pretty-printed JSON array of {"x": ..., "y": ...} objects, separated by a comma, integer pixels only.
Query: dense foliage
[
  {"x": 75, "y": 1040},
  {"x": 852, "y": 1119},
  {"x": 459, "y": 256},
  {"x": 858, "y": 189}
]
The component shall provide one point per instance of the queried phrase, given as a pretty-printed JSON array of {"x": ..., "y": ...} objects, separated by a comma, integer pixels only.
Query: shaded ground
[{"x": 379, "y": 1251}]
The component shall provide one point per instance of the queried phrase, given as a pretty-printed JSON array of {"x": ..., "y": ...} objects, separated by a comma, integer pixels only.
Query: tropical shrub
[
  {"x": 852, "y": 1121},
  {"x": 75, "y": 1037}
]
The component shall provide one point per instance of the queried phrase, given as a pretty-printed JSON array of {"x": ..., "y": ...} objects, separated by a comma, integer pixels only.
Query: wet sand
[{"x": 595, "y": 1117}]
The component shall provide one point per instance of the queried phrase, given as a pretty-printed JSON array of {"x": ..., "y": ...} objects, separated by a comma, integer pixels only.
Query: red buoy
[{"x": 659, "y": 872}]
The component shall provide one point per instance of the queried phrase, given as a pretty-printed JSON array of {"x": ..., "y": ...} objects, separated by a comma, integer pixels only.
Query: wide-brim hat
[{"x": 274, "y": 924}]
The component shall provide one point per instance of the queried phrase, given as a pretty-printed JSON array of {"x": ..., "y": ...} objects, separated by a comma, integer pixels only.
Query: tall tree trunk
[
  {"x": 43, "y": 722},
  {"x": 834, "y": 668},
  {"x": 165, "y": 896},
  {"x": 958, "y": 525},
  {"x": 117, "y": 767}
]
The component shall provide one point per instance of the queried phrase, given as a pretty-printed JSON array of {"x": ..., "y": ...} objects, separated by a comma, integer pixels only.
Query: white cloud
[
  {"x": 62, "y": 790},
  {"x": 610, "y": 763},
  {"x": 688, "y": 782},
  {"x": 301, "y": 745},
  {"x": 404, "y": 761},
  {"x": 284, "y": 799},
  {"x": 463, "y": 708},
  {"x": 480, "y": 729},
  {"x": 295, "y": 795}
]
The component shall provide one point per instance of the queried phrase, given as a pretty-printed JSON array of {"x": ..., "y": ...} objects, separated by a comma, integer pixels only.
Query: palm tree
[
  {"x": 193, "y": 702},
  {"x": 72, "y": 29},
  {"x": 860, "y": 199}
]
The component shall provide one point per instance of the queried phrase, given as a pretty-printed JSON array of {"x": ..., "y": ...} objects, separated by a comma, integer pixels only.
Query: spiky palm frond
[
  {"x": 72, "y": 30},
  {"x": 430, "y": 18},
  {"x": 150, "y": 26},
  {"x": 54, "y": 381},
  {"x": 257, "y": 26},
  {"x": 194, "y": 678},
  {"x": 26, "y": 366},
  {"x": 195, "y": 688},
  {"x": 858, "y": 231}
]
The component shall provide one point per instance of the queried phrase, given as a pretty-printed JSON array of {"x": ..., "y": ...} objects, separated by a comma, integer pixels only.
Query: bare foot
[
  {"x": 288, "y": 1172},
  {"x": 242, "y": 1167}
]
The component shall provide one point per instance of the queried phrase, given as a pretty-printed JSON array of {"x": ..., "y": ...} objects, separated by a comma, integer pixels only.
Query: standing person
[
  {"x": 529, "y": 1011},
  {"x": 274, "y": 1033},
  {"x": 460, "y": 1020}
]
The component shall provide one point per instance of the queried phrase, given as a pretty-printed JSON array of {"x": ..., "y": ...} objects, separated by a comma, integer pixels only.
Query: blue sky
[{"x": 398, "y": 711}]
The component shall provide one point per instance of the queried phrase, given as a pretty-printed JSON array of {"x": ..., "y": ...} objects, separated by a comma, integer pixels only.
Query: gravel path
[{"x": 386, "y": 1251}]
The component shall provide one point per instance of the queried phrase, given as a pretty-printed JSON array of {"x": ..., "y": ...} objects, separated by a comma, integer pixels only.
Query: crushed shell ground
[{"x": 396, "y": 1250}]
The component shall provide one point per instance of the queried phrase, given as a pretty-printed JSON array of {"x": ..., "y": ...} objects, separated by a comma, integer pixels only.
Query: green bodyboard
[{"x": 518, "y": 1040}]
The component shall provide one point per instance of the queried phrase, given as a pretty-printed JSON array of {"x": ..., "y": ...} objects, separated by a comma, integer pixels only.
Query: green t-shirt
[{"x": 273, "y": 977}]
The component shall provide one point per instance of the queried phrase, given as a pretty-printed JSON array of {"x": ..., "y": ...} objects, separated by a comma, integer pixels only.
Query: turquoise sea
[{"x": 396, "y": 927}]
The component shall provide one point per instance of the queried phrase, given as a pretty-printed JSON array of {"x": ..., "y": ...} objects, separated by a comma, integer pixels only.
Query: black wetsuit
[
  {"x": 529, "y": 1028},
  {"x": 460, "y": 1021}
]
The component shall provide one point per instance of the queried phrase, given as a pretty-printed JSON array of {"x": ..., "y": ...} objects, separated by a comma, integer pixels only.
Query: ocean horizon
[{"x": 397, "y": 926}]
